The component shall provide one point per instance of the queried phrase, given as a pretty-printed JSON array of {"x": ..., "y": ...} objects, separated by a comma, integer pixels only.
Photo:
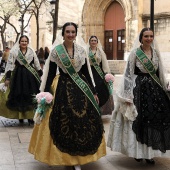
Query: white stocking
[{"x": 77, "y": 167}]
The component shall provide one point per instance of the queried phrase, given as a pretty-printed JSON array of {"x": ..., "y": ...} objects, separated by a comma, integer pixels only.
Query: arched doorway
[{"x": 114, "y": 27}]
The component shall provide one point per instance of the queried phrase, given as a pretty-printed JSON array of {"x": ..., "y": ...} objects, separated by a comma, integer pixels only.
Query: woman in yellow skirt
[
  {"x": 22, "y": 80},
  {"x": 71, "y": 134}
]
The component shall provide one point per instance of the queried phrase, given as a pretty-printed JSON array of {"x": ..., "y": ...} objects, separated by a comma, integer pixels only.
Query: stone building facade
[
  {"x": 136, "y": 16},
  {"x": 96, "y": 17}
]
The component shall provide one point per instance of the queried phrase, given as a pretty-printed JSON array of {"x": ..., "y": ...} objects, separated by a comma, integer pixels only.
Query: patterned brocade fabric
[{"x": 75, "y": 126}]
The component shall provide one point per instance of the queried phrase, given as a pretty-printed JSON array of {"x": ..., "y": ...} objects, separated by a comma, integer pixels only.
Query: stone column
[{"x": 140, "y": 9}]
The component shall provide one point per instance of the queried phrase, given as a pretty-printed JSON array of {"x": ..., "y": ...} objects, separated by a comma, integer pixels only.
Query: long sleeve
[
  {"x": 8, "y": 75},
  {"x": 85, "y": 72},
  {"x": 100, "y": 65},
  {"x": 51, "y": 75}
]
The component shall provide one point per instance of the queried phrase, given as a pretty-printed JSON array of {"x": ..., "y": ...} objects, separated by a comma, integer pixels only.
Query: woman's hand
[
  {"x": 96, "y": 98},
  {"x": 7, "y": 82}
]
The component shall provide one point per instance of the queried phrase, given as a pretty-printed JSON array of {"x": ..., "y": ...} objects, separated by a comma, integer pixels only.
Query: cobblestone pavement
[{"x": 14, "y": 141}]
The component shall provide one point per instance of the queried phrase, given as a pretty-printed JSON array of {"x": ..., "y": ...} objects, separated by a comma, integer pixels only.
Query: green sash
[
  {"x": 96, "y": 66},
  {"x": 64, "y": 58},
  {"x": 32, "y": 70},
  {"x": 100, "y": 72},
  {"x": 147, "y": 65}
]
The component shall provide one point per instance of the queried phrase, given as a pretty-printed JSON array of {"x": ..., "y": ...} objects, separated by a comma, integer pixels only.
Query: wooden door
[
  {"x": 120, "y": 44},
  {"x": 109, "y": 44},
  {"x": 115, "y": 21}
]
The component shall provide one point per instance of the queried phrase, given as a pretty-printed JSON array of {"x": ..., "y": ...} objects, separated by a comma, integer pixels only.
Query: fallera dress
[
  {"x": 106, "y": 103},
  {"x": 17, "y": 102},
  {"x": 141, "y": 129},
  {"x": 72, "y": 131}
]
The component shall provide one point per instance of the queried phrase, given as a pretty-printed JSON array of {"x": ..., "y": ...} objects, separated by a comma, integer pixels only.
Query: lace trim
[
  {"x": 78, "y": 61},
  {"x": 14, "y": 56}
]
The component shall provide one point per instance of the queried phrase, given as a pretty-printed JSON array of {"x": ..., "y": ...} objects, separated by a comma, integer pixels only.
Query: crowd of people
[{"x": 70, "y": 132}]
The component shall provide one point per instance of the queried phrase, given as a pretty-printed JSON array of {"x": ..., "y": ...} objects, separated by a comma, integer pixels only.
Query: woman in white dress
[{"x": 140, "y": 125}]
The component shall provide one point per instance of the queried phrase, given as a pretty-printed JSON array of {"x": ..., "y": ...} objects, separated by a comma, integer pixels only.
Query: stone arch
[{"x": 93, "y": 16}]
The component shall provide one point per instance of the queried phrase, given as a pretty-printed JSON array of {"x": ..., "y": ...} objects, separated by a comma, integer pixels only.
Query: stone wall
[
  {"x": 166, "y": 61},
  {"x": 93, "y": 17},
  {"x": 159, "y": 6},
  {"x": 117, "y": 66}
]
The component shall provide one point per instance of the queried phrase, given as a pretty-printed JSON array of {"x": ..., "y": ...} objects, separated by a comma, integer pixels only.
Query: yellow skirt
[{"x": 43, "y": 149}]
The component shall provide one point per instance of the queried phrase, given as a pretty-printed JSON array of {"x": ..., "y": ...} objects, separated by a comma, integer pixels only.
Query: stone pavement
[{"x": 14, "y": 141}]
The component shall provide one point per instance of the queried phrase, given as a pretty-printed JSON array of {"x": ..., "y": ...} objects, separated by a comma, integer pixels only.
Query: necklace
[
  {"x": 70, "y": 52},
  {"x": 148, "y": 52},
  {"x": 24, "y": 51},
  {"x": 93, "y": 51}
]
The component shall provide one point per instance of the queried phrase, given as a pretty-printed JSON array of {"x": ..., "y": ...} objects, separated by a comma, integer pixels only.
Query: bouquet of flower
[
  {"x": 109, "y": 78},
  {"x": 44, "y": 100}
]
